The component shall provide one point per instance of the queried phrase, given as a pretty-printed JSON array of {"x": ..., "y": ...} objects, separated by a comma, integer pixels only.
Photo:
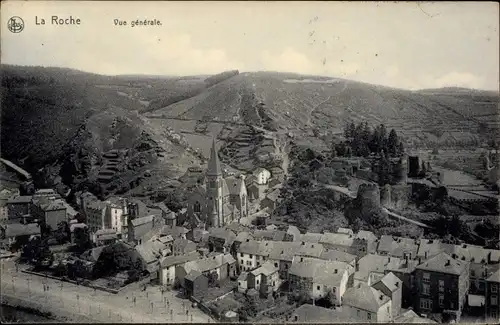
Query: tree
[
  {"x": 393, "y": 144},
  {"x": 63, "y": 233},
  {"x": 82, "y": 239},
  {"x": 212, "y": 279}
]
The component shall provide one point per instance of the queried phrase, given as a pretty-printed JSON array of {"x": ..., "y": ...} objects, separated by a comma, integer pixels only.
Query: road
[{"x": 81, "y": 304}]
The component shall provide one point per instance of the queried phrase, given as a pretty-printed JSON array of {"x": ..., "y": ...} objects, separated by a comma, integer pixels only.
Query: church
[{"x": 218, "y": 201}]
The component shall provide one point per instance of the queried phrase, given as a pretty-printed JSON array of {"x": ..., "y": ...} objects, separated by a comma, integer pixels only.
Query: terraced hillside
[{"x": 300, "y": 104}]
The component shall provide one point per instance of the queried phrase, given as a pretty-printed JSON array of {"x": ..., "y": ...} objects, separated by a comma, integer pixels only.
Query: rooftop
[
  {"x": 365, "y": 297},
  {"x": 444, "y": 263},
  {"x": 320, "y": 271}
]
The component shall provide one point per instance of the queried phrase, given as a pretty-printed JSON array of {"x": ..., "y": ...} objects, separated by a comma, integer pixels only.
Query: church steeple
[{"x": 214, "y": 168}]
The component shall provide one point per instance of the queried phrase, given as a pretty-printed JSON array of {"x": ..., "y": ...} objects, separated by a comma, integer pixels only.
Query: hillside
[{"x": 117, "y": 134}]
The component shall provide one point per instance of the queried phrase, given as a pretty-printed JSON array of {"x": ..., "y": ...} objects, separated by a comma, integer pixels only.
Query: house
[
  {"x": 372, "y": 267},
  {"x": 174, "y": 231},
  {"x": 345, "y": 231},
  {"x": 116, "y": 215},
  {"x": 6, "y": 194},
  {"x": 264, "y": 279},
  {"x": 392, "y": 287},
  {"x": 256, "y": 192},
  {"x": 243, "y": 282},
  {"x": 223, "y": 266},
  {"x": 335, "y": 255},
  {"x": 479, "y": 273},
  {"x": 195, "y": 283},
  {"x": 397, "y": 247},
  {"x": 19, "y": 207},
  {"x": 410, "y": 317},
  {"x": 492, "y": 293},
  {"x": 252, "y": 254},
  {"x": 220, "y": 240},
  {"x": 441, "y": 284},
  {"x": 344, "y": 242},
  {"x": 181, "y": 246},
  {"x": 262, "y": 175},
  {"x": 428, "y": 248},
  {"x": 73, "y": 227},
  {"x": 270, "y": 202},
  {"x": 370, "y": 238},
  {"x": 104, "y": 237},
  {"x": 13, "y": 232},
  {"x": 240, "y": 238},
  {"x": 294, "y": 233},
  {"x": 169, "y": 264},
  {"x": 404, "y": 271},
  {"x": 198, "y": 235},
  {"x": 307, "y": 313},
  {"x": 138, "y": 228},
  {"x": 169, "y": 216},
  {"x": 95, "y": 213},
  {"x": 318, "y": 278},
  {"x": 151, "y": 252},
  {"x": 51, "y": 211},
  {"x": 367, "y": 304}
]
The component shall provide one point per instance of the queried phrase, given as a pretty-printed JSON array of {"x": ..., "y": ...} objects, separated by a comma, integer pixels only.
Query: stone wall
[{"x": 395, "y": 196}]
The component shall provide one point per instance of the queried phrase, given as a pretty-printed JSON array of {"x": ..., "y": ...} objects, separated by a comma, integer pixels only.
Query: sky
[{"x": 410, "y": 45}]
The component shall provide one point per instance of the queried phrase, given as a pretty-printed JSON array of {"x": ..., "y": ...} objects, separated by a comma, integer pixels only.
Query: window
[
  {"x": 441, "y": 300},
  {"x": 441, "y": 285},
  {"x": 258, "y": 263},
  {"x": 296, "y": 318},
  {"x": 241, "y": 254},
  {"x": 494, "y": 300},
  {"x": 426, "y": 289},
  {"x": 249, "y": 263},
  {"x": 251, "y": 256},
  {"x": 318, "y": 288},
  {"x": 426, "y": 277},
  {"x": 358, "y": 312},
  {"x": 334, "y": 289},
  {"x": 369, "y": 315},
  {"x": 197, "y": 207},
  {"x": 388, "y": 309},
  {"x": 274, "y": 283},
  {"x": 241, "y": 262},
  {"x": 493, "y": 314},
  {"x": 275, "y": 264},
  {"x": 425, "y": 303},
  {"x": 257, "y": 281},
  {"x": 494, "y": 288},
  {"x": 472, "y": 273}
]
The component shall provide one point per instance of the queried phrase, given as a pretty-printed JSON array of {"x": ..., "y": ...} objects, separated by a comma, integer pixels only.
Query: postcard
[{"x": 249, "y": 161}]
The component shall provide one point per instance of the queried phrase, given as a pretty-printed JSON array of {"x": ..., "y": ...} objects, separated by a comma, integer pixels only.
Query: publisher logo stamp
[{"x": 15, "y": 24}]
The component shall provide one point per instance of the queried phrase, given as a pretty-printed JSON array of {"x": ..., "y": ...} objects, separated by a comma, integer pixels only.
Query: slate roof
[
  {"x": 310, "y": 237},
  {"x": 430, "y": 246},
  {"x": 495, "y": 277},
  {"x": 243, "y": 276},
  {"x": 343, "y": 240},
  {"x": 375, "y": 263},
  {"x": 184, "y": 246},
  {"x": 179, "y": 259},
  {"x": 410, "y": 317},
  {"x": 336, "y": 255},
  {"x": 391, "y": 282},
  {"x": 193, "y": 275},
  {"x": 143, "y": 220},
  {"x": 320, "y": 271},
  {"x": 150, "y": 251},
  {"x": 52, "y": 205},
  {"x": 315, "y": 314},
  {"x": 93, "y": 254},
  {"x": 366, "y": 235},
  {"x": 207, "y": 263},
  {"x": 267, "y": 269},
  {"x": 243, "y": 236},
  {"x": 163, "y": 207},
  {"x": 175, "y": 232},
  {"x": 251, "y": 181},
  {"x": 397, "y": 246},
  {"x": 19, "y": 229},
  {"x": 364, "y": 297},
  {"x": 234, "y": 185},
  {"x": 23, "y": 199},
  {"x": 439, "y": 263},
  {"x": 227, "y": 235}
]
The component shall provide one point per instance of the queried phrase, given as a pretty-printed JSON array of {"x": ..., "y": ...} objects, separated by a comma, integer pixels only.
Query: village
[{"x": 225, "y": 255}]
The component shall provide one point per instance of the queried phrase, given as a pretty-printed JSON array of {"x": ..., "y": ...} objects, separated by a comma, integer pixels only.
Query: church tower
[{"x": 215, "y": 189}]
